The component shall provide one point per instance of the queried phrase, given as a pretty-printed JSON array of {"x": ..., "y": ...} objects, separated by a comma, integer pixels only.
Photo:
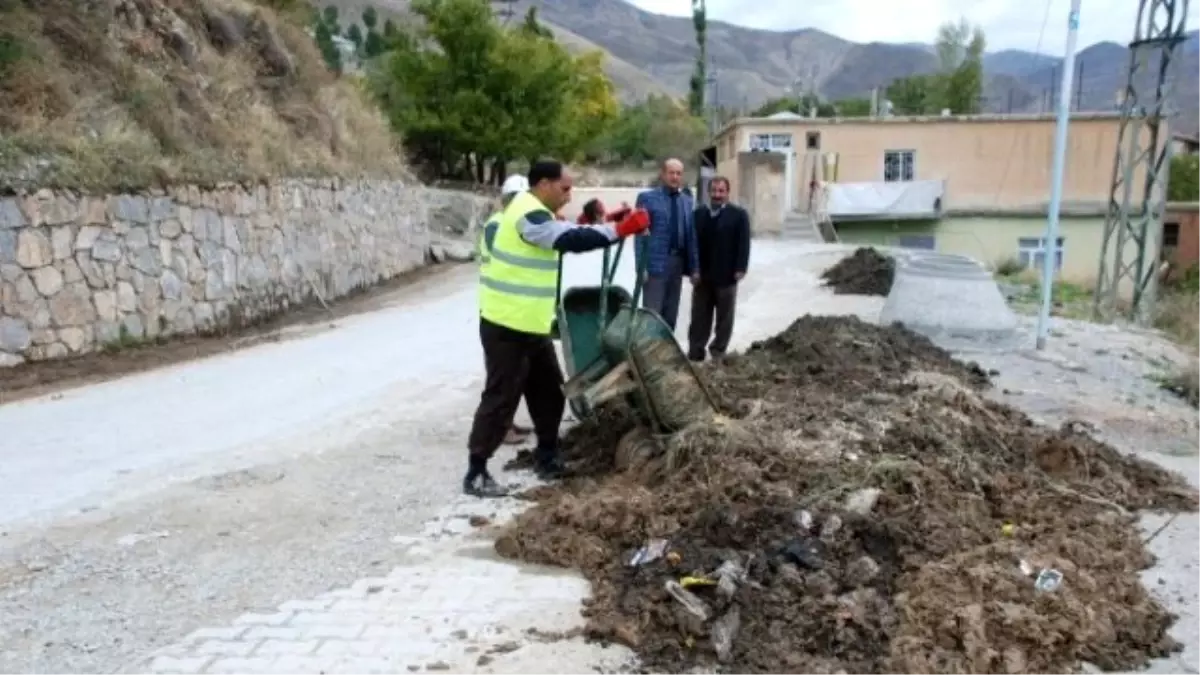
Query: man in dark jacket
[
  {"x": 669, "y": 249},
  {"x": 723, "y": 236}
]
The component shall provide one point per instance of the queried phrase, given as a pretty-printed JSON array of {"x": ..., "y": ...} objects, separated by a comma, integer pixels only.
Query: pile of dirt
[
  {"x": 858, "y": 506},
  {"x": 128, "y": 94},
  {"x": 864, "y": 272}
]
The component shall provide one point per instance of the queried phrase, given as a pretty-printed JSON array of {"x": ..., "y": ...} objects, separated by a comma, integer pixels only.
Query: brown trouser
[
  {"x": 707, "y": 301},
  {"x": 518, "y": 364}
]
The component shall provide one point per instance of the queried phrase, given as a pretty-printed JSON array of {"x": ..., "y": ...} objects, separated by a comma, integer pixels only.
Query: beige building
[{"x": 975, "y": 185}]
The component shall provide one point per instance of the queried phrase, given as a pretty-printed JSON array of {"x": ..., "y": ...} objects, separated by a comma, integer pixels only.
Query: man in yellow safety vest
[
  {"x": 513, "y": 185},
  {"x": 517, "y": 301}
]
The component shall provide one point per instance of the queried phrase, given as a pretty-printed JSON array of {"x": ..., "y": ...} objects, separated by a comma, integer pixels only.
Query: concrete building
[{"x": 974, "y": 185}]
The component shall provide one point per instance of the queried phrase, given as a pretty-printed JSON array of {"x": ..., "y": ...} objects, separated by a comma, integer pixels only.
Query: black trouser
[
  {"x": 518, "y": 364},
  {"x": 707, "y": 301}
]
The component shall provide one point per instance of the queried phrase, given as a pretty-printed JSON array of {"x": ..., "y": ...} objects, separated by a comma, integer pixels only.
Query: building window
[
  {"x": 770, "y": 141},
  {"x": 1031, "y": 252},
  {"x": 812, "y": 140},
  {"x": 1170, "y": 241},
  {"x": 922, "y": 241},
  {"x": 898, "y": 166}
]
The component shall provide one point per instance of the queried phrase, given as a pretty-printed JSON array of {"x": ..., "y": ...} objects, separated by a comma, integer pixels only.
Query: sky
[{"x": 1008, "y": 24}]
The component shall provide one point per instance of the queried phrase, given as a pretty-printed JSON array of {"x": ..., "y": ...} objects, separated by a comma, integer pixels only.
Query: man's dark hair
[
  {"x": 591, "y": 210},
  {"x": 545, "y": 169},
  {"x": 719, "y": 179}
]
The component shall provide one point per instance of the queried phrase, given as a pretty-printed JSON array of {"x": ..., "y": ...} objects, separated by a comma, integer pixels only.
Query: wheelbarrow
[{"x": 612, "y": 349}]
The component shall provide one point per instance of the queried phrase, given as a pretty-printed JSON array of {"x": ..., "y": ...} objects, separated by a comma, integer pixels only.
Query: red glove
[
  {"x": 636, "y": 222},
  {"x": 620, "y": 214}
]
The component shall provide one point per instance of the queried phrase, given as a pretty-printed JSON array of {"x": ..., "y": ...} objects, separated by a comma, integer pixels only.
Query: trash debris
[
  {"x": 1008, "y": 529},
  {"x": 673, "y": 558},
  {"x": 923, "y": 582},
  {"x": 649, "y": 553},
  {"x": 803, "y": 520},
  {"x": 1048, "y": 580},
  {"x": 862, "y": 501},
  {"x": 806, "y": 552},
  {"x": 724, "y": 630},
  {"x": 729, "y": 576},
  {"x": 690, "y": 601},
  {"x": 691, "y": 582}
]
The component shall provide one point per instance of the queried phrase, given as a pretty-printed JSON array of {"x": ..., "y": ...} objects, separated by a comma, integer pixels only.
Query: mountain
[{"x": 655, "y": 53}]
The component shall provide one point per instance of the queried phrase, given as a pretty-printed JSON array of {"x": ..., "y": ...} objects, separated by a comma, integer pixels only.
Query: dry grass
[{"x": 101, "y": 99}]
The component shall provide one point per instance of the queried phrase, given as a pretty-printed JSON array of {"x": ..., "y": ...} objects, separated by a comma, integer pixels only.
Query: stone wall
[{"x": 79, "y": 272}]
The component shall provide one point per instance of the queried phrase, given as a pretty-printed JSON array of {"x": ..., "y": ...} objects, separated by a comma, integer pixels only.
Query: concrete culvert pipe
[{"x": 952, "y": 300}]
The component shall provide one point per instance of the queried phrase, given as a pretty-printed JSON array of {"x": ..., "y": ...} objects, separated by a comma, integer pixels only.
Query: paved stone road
[{"x": 456, "y": 606}]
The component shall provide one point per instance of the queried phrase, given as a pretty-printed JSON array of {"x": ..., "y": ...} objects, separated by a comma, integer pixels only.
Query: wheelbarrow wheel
[{"x": 579, "y": 408}]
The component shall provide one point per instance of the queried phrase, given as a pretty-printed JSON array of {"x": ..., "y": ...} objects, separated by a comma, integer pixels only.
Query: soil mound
[
  {"x": 858, "y": 506},
  {"x": 864, "y": 272}
]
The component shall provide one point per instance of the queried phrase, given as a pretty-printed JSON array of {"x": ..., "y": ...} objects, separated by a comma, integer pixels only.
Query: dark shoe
[
  {"x": 698, "y": 358},
  {"x": 484, "y": 487},
  {"x": 717, "y": 357},
  {"x": 548, "y": 465}
]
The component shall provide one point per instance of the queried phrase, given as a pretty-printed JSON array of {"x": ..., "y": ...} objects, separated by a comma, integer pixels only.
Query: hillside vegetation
[{"x": 123, "y": 94}]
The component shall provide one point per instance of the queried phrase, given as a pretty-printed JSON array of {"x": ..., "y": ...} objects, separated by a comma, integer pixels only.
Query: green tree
[
  {"x": 958, "y": 85},
  {"x": 355, "y": 35},
  {"x": 1184, "y": 181},
  {"x": 853, "y": 107},
  {"x": 912, "y": 95},
  {"x": 469, "y": 96},
  {"x": 531, "y": 26},
  {"x": 329, "y": 50},
  {"x": 699, "y": 80},
  {"x": 389, "y": 29},
  {"x": 329, "y": 16},
  {"x": 370, "y": 18}
]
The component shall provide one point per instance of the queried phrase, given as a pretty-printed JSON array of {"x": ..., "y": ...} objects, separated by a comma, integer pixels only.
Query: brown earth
[
  {"x": 864, "y": 272},
  {"x": 885, "y": 517}
]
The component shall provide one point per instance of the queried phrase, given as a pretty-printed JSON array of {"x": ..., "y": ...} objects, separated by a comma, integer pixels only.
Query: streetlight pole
[{"x": 1050, "y": 244}]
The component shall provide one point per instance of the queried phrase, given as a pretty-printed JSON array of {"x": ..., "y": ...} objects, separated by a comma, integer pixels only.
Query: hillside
[
  {"x": 753, "y": 65},
  {"x": 128, "y": 93}
]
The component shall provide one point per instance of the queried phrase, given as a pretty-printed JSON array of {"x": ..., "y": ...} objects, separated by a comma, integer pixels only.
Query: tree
[
  {"x": 959, "y": 82},
  {"x": 370, "y": 18},
  {"x": 911, "y": 95},
  {"x": 853, "y": 107},
  {"x": 532, "y": 26},
  {"x": 700, "y": 76},
  {"x": 389, "y": 29},
  {"x": 1184, "y": 180},
  {"x": 329, "y": 16},
  {"x": 355, "y": 35},
  {"x": 469, "y": 95},
  {"x": 329, "y": 49}
]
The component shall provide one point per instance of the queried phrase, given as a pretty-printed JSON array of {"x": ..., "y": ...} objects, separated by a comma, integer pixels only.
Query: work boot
[
  {"x": 479, "y": 482},
  {"x": 696, "y": 357},
  {"x": 548, "y": 465}
]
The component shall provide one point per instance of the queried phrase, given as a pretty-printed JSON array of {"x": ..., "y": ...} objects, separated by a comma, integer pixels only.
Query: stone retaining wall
[{"x": 79, "y": 272}]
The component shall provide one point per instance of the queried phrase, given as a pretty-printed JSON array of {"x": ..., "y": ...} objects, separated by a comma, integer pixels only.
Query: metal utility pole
[
  {"x": 1133, "y": 225},
  {"x": 1050, "y": 242}
]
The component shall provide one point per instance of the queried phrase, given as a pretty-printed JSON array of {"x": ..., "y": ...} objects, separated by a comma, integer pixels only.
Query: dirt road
[{"x": 136, "y": 511}]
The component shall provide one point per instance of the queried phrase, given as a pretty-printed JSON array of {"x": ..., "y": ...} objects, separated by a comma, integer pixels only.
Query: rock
[
  {"x": 58, "y": 210},
  {"x": 229, "y": 232},
  {"x": 15, "y": 335},
  {"x": 171, "y": 285},
  {"x": 33, "y": 249},
  {"x": 72, "y": 306},
  {"x": 48, "y": 280},
  {"x": 8, "y": 246},
  {"x": 87, "y": 236},
  {"x": 137, "y": 239},
  {"x": 171, "y": 228},
  {"x": 11, "y": 216},
  {"x": 106, "y": 305},
  {"x": 62, "y": 241},
  {"x": 133, "y": 326},
  {"x": 861, "y": 571},
  {"x": 75, "y": 339},
  {"x": 130, "y": 208},
  {"x": 862, "y": 501},
  {"x": 106, "y": 248},
  {"x": 10, "y": 360}
]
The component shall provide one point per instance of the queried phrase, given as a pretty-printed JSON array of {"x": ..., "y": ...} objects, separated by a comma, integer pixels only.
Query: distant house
[
  {"x": 1185, "y": 144},
  {"x": 976, "y": 185}
]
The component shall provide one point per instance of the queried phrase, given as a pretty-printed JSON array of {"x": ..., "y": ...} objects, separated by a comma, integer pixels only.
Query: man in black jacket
[{"x": 723, "y": 236}]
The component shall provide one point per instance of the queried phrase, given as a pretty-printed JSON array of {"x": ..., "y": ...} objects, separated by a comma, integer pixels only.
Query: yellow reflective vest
[
  {"x": 518, "y": 284},
  {"x": 484, "y": 254}
]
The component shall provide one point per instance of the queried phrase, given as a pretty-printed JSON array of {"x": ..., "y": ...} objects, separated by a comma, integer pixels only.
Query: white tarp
[{"x": 908, "y": 198}]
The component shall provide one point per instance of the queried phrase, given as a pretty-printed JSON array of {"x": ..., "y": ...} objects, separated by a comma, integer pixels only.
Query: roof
[{"x": 913, "y": 119}]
